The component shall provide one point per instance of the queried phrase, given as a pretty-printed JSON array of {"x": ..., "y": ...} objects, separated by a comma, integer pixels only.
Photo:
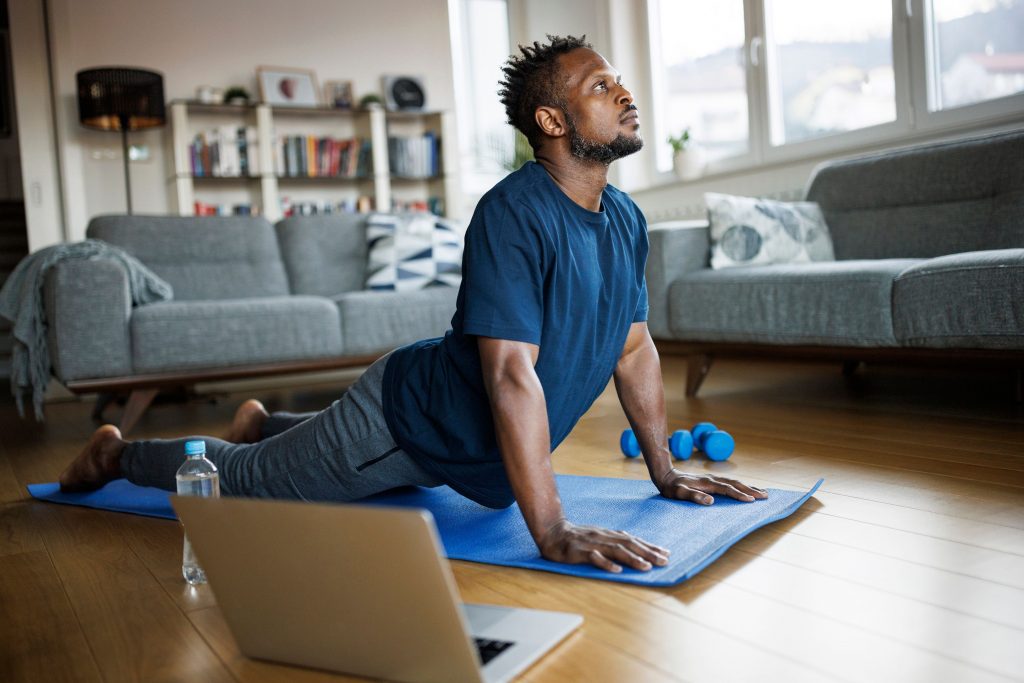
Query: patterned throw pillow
[
  {"x": 746, "y": 231},
  {"x": 412, "y": 251}
]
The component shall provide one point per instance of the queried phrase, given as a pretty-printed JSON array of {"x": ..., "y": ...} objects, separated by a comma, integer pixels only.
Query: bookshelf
[{"x": 308, "y": 159}]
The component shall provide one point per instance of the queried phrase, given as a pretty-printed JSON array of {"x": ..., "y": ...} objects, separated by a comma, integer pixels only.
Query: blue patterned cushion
[
  {"x": 748, "y": 232},
  {"x": 412, "y": 251}
]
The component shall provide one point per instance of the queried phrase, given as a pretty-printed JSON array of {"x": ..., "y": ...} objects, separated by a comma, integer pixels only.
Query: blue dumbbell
[
  {"x": 712, "y": 441},
  {"x": 680, "y": 444},
  {"x": 628, "y": 444}
]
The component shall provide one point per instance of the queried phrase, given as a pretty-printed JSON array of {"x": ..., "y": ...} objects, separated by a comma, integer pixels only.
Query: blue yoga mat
[{"x": 696, "y": 535}]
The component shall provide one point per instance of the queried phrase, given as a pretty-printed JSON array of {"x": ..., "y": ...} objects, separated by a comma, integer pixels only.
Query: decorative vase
[{"x": 688, "y": 163}]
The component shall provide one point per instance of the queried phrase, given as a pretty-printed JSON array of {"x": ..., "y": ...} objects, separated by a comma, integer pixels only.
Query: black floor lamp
[{"x": 121, "y": 99}]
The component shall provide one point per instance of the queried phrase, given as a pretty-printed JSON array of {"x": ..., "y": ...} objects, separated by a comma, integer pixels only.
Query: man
[{"x": 553, "y": 304}]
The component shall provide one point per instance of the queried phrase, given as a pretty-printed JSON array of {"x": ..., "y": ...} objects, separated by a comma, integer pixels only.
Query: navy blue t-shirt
[{"x": 537, "y": 268}]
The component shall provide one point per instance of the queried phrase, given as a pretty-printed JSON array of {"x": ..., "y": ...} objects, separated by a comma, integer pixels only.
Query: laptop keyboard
[{"x": 489, "y": 649}]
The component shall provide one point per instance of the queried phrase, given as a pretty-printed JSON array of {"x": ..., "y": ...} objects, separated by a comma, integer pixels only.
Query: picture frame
[
  {"x": 338, "y": 94},
  {"x": 287, "y": 87}
]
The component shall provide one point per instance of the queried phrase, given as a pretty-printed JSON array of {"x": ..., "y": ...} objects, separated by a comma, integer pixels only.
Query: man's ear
[{"x": 551, "y": 121}]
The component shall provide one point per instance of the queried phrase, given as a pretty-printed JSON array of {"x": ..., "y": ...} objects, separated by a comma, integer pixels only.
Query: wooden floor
[{"x": 908, "y": 564}]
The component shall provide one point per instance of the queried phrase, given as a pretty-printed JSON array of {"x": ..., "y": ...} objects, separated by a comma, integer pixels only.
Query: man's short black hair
[{"x": 532, "y": 80}]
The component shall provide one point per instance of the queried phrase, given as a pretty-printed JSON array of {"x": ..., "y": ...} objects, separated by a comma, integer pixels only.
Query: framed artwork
[
  {"x": 338, "y": 94},
  {"x": 284, "y": 87}
]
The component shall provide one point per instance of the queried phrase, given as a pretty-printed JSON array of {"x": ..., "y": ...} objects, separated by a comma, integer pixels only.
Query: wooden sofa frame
[{"x": 702, "y": 354}]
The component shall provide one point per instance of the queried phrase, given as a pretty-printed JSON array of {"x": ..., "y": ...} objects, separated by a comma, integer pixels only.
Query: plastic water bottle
[{"x": 196, "y": 477}]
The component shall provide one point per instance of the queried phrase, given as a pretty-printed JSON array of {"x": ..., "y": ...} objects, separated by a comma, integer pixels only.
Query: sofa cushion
[
  {"x": 925, "y": 201},
  {"x": 374, "y": 321},
  {"x": 222, "y": 257},
  {"x": 175, "y": 335},
  {"x": 324, "y": 255},
  {"x": 746, "y": 231},
  {"x": 846, "y": 303},
  {"x": 412, "y": 251},
  {"x": 969, "y": 300}
]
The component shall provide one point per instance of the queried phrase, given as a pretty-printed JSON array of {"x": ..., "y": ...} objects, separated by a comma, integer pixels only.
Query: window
[
  {"x": 828, "y": 71},
  {"x": 773, "y": 81},
  {"x": 975, "y": 51},
  {"x": 480, "y": 45},
  {"x": 699, "y": 77}
]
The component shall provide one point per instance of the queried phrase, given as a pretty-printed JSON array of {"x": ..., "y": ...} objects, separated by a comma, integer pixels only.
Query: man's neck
[{"x": 581, "y": 181}]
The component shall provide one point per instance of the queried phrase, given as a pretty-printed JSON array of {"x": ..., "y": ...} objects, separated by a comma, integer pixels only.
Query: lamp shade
[{"x": 120, "y": 98}]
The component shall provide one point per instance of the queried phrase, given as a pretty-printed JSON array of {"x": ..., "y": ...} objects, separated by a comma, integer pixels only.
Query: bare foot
[
  {"x": 246, "y": 426},
  {"x": 98, "y": 463}
]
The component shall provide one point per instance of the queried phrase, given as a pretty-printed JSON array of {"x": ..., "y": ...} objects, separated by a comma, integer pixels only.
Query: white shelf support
[
  {"x": 184, "y": 196},
  {"x": 269, "y": 196},
  {"x": 381, "y": 161}
]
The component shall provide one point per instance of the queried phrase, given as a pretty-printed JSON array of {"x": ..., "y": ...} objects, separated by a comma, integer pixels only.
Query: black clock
[{"x": 404, "y": 93}]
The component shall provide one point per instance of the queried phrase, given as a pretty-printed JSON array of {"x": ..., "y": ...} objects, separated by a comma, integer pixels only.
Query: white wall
[
  {"x": 534, "y": 19},
  {"x": 220, "y": 43}
]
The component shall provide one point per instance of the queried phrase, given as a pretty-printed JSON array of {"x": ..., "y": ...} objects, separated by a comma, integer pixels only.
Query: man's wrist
[
  {"x": 545, "y": 530},
  {"x": 659, "y": 465}
]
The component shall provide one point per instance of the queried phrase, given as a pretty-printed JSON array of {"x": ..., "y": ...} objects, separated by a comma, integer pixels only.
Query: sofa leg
[
  {"x": 103, "y": 401},
  {"x": 138, "y": 401},
  {"x": 850, "y": 367},
  {"x": 697, "y": 370}
]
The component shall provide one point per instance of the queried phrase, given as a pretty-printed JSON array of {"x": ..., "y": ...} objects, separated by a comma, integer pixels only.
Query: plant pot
[{"x": 688, "y": 163}]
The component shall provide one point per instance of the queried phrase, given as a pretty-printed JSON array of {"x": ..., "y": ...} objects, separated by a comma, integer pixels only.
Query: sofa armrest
[
  {"x": 88, "y": 306},
  {"x": 676, "y": 248}
]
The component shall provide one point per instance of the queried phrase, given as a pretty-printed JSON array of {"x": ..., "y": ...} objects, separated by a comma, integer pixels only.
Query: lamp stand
[{"x": 124, "y": 154}]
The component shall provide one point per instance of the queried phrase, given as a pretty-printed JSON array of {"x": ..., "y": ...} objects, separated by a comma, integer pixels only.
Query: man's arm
[
  {"x": 521, "y": 426},
  {"x": 642, "y": 395}
]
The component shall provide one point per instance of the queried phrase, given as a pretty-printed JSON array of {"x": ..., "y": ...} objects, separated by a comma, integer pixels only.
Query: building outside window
[{"x": 976, "y": 51}]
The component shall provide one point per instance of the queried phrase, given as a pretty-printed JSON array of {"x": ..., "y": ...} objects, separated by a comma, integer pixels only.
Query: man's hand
[
  {"x": 681, "y": 486},
  {"x": 603, "y": 548}
]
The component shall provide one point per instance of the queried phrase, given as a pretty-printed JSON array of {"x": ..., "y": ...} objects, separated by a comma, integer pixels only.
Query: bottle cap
[{"x": 195, "y": 448}]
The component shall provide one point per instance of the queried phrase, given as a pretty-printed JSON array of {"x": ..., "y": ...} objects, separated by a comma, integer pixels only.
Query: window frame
[{"x": 911, "y": 36}]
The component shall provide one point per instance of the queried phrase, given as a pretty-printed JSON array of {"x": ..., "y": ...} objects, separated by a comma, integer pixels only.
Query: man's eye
[{"x": 601, "y": 86}]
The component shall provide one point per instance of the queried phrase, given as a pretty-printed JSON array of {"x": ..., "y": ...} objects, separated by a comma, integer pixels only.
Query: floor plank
[
  {"x": 133, "y": 627},
  {"x": 615, "y": 619},
  {"x": 16, "y": 529},
  {"x": 40, "y": 639},
  {"x": 11, "y": 489},
  {"x": 969, "y": 640}
]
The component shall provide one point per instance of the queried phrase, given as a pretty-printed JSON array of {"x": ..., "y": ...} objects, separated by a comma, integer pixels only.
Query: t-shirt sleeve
[
  {"x": 642, "y": 249},
  {"x": 503, "y": 274},
  {"x": 641, "y": 305}
]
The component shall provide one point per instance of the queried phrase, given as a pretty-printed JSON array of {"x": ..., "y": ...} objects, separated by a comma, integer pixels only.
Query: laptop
[{"x": 356, "y": 589}]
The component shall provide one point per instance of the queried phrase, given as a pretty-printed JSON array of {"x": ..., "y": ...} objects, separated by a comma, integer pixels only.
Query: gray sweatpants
[{"x": 340, "y": 454}]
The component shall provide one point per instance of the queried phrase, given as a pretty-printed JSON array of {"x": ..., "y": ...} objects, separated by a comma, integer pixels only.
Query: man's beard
[{"x": 601, "y": 152}]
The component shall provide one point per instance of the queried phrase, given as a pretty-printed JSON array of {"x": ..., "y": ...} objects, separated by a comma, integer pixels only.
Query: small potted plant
[
  {"x": 371, "y": 101},
  {"x": 687, "y": 157}
]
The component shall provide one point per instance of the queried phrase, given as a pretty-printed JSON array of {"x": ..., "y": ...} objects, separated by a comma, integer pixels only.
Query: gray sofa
[
  {"x": 929, "y": 246},
  {"x": 249, "y": 299}
]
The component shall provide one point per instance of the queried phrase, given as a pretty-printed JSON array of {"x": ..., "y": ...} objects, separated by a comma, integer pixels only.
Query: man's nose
[{"x": 625, "y": 97}]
